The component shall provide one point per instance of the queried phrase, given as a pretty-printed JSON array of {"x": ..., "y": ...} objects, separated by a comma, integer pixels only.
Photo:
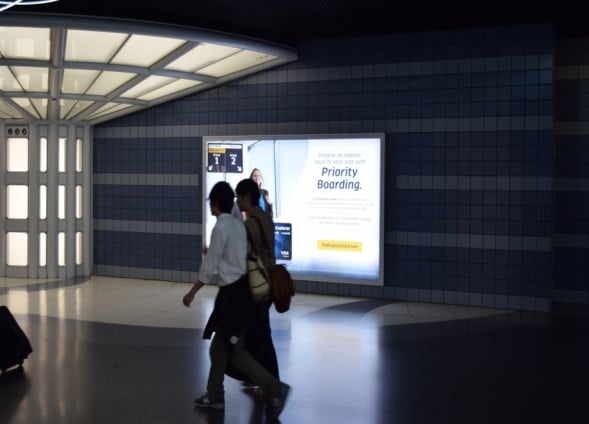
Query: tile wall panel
[
  {"x": 468, "y": 120},
  {"x": 571, "y": 192}
]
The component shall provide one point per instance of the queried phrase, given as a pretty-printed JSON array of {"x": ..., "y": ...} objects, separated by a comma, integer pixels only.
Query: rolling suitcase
[{"x": 15, "y": 346}]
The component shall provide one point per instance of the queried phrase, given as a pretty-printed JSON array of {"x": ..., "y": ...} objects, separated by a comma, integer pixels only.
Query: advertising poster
[{"x": 326, "y": 195}]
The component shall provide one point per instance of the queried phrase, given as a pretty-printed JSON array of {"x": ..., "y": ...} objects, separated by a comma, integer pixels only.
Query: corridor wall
[
  {"x": 468, "y": 118},
  {"x": 571, "y": 185}
]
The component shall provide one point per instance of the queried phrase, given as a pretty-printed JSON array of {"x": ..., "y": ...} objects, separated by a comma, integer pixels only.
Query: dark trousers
[
  {"x": 222, "y": 353},
  {"x": 258, "y": 342}
]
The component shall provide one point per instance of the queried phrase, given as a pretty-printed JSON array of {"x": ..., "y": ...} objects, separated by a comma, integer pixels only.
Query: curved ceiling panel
[{"x": 92, "y": 70}]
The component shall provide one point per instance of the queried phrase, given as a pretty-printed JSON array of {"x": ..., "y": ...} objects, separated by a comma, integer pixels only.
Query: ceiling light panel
[
  {"x": 147, "y": 85},
  {"x": 237, "y": 62},
  {"x": 141, "y": 50},
  {"x": 108, "y": 109},
  {"x": 25, "y": 103},
  {"x": 92, "y": 70},
  {"x": 108, "y": 82},
  {"x": 65, "y": 106},
  {"x": 40, "y": 106},
  {"x": 71, "y": 108},
  {"x": 202, "y": 55},
  {"x": 32, "y": 79},
  {"x": 77, "y": 81},
  {"x": 93, "y": 46},
  {"x": 7, "y": 80},
  {"x": 25, "y": 43},
  {"x": 169, "y": 89},
  {"x": 7, "y": 112}
]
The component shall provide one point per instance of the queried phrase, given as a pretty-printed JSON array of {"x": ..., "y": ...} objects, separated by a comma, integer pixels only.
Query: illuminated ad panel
[{"x": 325, "y": 195}]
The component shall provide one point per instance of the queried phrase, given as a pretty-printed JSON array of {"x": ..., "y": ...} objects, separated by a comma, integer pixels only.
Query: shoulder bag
[{"x": 257, "y": 275}]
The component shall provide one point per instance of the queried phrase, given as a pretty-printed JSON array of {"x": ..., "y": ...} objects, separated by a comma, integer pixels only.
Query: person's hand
[{"x": 188, "y": 298}]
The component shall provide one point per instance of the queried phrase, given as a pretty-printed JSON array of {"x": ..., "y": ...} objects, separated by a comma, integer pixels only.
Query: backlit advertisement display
[{"x": 325, "y": 194}]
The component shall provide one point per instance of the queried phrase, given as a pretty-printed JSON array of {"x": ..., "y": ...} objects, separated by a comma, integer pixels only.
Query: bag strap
[
  {"x": 264, "y": 239},
  {"x": 251, "y": 252}
]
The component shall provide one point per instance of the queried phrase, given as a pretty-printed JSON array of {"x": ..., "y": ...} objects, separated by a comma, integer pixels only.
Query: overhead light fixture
[
  {"x": 7, "y": 4},
  {"x": 88, "y": 70}
]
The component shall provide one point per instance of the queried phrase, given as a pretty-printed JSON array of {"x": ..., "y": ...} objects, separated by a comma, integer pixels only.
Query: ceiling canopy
[{"x": 91, "y": 70}]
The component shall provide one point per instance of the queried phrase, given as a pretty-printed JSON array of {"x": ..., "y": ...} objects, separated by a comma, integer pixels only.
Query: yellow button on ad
[{"x": 347, "y": 246}]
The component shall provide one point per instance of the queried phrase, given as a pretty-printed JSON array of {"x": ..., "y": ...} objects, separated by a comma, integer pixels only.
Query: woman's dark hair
[
  {"x": 248, "y": 186},
  {"x": 223, "y": 195}
]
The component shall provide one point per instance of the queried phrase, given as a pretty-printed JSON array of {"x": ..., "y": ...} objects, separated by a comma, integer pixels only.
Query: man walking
[{"x": 225, "y": 262}]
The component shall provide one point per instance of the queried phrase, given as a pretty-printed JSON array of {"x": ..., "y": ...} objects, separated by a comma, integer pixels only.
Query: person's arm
[
  {"x": 189, "y": 297},
  {"x": 267, "y": 198},
  {"x": 212, "y": 255},
  {"x": 269, "y": 206}
]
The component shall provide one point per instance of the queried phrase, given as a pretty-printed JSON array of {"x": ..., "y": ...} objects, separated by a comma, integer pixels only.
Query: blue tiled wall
[
  {"x": 468, "y": 119},
  {"x": 571, "y": 221},
  {"x": 147, "y": 207}
]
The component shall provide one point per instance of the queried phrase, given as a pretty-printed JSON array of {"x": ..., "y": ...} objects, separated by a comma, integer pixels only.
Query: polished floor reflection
[{"x": 110, "y": 350}]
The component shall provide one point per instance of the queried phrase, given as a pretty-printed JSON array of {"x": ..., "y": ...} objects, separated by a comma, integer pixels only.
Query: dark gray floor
[{"x": 509, "y": 368}]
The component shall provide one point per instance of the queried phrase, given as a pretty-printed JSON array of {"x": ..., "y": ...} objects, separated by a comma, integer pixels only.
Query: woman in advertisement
[{"x": 265, "y": 203}]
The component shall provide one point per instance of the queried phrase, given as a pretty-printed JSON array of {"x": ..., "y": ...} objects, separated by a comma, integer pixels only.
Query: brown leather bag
[{"x": 281, "y": 287}]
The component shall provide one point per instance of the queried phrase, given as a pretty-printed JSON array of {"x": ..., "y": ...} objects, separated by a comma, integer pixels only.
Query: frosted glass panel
[
  {"x": 61, "y": 249},
  {"x": 79, "y": 155},
  {"x": 43, "y": 249},
  {"x": 17, "y": 202},
  {"x": 16, "y": 249},
  {"x": 78, "y": 248},
  {"x": 61, "y": 202},
  {"x": 43, "y": 154},
  {"x": 43, "y": 202},
  {"x": 79, "y": 201},
  {"x": 17, "y": 159},
  {"x": 61, "y": 155}
]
